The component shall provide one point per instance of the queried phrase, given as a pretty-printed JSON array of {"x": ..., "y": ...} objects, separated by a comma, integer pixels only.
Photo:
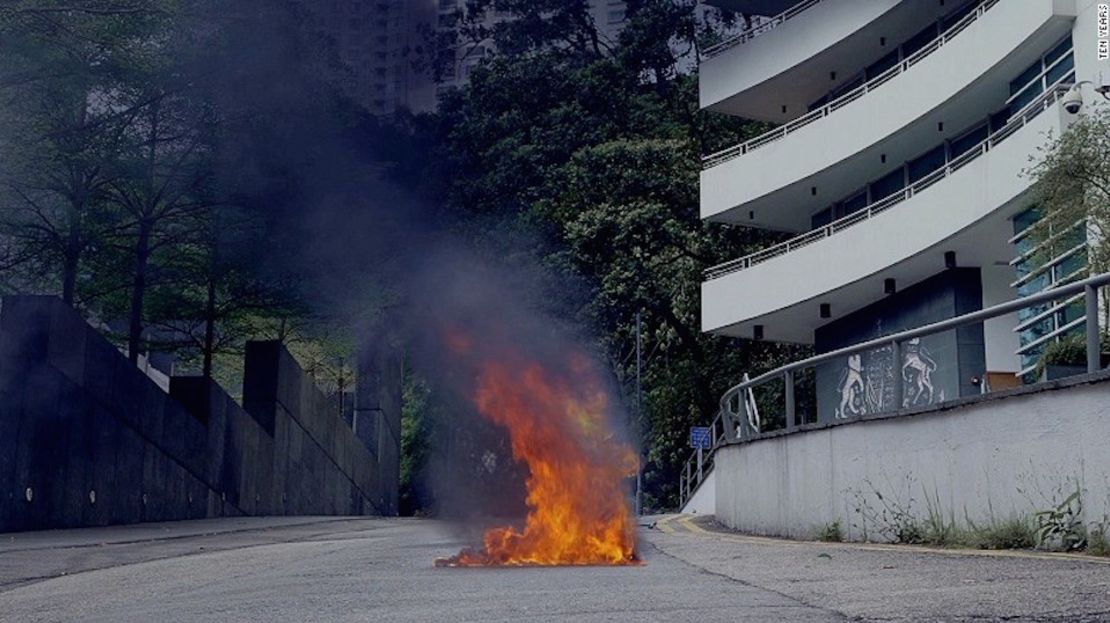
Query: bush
[{"x": 830, "y": 533}]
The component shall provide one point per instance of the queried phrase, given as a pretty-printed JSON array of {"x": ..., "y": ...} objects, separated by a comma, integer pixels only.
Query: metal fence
[
  {"x": 734, "y": 420},
  {"x": 788, "y": 128},
  {"x": 1027, "y": 114},
  {"x": 760, "y": 28}
]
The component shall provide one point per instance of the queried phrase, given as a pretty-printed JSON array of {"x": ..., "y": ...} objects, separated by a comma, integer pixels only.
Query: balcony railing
[
  {"x": 764, "y": 26},
  {"x": 788, "y": 128},
  {"x": 736, "y": 420},
  {"x": 1027, "y": 114}
]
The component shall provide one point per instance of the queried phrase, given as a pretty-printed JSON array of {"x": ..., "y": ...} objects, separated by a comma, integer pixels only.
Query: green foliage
[
  {"x": 1072, "y": 176},
  {"x": 1070, "y": 350},
  {"x": 582, "y": 156},
  {"x": 830, "y": 533},
  {"x": 1062, "y": 527},
  {"x": 1098, "y": 543},
  {"x": 1017, "y": 532},
  {"x": 416, "y": 435}
]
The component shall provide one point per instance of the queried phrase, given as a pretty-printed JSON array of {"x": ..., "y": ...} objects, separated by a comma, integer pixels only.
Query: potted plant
[{"x": 1067, "y": 356}]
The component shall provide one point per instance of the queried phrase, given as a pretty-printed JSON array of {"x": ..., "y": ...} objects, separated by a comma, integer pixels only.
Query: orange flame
[{"x": 577, "y": 510}]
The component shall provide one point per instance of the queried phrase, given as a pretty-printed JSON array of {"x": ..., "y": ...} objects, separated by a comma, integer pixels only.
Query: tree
[
  {"x": 593, "y": 153},
  {"x": 61, "y": 66},
  {"x": 1072, "y": 185}
]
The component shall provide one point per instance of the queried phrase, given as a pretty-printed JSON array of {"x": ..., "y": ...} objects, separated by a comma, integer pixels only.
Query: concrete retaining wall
[
  {"x": 86, "y": 439},
  {"x": 992, "y": 457}
]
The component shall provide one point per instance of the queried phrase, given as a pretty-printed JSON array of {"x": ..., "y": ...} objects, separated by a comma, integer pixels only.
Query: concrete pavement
[
  {"x": 348, "y": 570},
  {"x": 872, "y": 582},
  {"x": 326, "y": 569}
]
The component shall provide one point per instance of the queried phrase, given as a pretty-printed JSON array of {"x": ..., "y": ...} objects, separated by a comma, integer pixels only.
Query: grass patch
[
  {"x": 1012, "y": 533},
  {"x": 1097, "y": 542}
]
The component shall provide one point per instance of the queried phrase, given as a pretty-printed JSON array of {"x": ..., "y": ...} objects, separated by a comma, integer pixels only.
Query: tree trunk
[
  {"x": 69, "y": 273},
  {"x": 72, "y": 254},
  {"x": 138, "y": 291},
  {"x": 209, "y": 328}
]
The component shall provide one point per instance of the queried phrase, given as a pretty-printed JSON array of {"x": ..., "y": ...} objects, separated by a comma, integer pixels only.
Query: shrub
[{"x": 830, "y": 533}]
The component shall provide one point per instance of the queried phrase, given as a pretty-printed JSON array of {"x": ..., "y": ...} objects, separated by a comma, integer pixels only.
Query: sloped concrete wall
[
  {"x": 992, "y": 457},
  {"x": 87, "y": 440}
]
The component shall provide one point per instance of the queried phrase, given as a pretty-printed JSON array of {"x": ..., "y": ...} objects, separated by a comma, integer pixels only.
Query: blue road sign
[{"x": 700, "y": 437}]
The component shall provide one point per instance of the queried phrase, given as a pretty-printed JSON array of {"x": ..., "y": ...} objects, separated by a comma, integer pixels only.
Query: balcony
[
  {"x": 753, "y": 7},
  {"x": 777, "y": 70},
  {"x": 779, "y": 180},
  {"x": 962, "y": 207}
]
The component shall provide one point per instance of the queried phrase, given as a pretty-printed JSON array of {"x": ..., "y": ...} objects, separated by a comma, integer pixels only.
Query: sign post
[{"x": 701, "y": 439}]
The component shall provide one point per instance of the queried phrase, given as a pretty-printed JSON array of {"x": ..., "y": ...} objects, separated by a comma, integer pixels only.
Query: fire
[{"x": 557, "y": 423}]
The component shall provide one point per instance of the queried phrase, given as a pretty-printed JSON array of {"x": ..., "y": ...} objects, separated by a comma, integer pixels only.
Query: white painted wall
[
  {"x": 704, "y": 501},
  {"x": 906, "y": 230},
  {"x": 938, "y": 78},
  {"x": 997, "y": 458},
  {"x": 1001, "y": 340},
  {"x": 1085, "y": 35}
]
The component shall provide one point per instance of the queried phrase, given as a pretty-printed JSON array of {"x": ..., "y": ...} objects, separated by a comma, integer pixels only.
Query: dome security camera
[{"x": 1073, "y": 100}]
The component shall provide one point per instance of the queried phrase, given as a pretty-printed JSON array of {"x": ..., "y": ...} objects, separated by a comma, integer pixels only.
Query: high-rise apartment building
[{"x": 897, "y": 167}]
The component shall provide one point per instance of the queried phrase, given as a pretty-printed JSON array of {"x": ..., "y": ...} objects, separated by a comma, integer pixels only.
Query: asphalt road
[{"x": 313, "y": 569}]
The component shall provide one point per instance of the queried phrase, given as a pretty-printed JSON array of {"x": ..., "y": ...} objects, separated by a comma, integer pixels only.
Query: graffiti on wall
[{"x": 867, "y": 381}]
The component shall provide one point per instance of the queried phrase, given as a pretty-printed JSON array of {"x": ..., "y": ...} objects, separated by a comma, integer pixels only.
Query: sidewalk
[{"x": 872, "y": 582}]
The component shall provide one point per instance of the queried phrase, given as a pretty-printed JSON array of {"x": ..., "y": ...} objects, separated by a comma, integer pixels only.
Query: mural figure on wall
[
  {"x": 867, "y": 383},
  {"x": 917, "y": 373},
  {"x": 851, "y": 389}
]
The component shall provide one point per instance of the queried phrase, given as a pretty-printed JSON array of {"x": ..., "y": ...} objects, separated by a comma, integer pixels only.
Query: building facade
[{"x": 897, "y": 169}]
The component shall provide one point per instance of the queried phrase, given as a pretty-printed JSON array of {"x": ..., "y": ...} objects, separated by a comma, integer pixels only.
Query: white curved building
[{"x": 895, "y": 171}]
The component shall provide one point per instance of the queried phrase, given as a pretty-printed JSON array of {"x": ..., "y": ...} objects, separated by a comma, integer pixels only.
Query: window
[
  {"x": 1053, "y": 67},
  {"x": 1036, "y": 274},
  {"x": 972, "y": 138},
  {"x": 926, "y": 163},
  {"x": 854, "y": 203},
  {"x": 822, "y": 218},
  {"x": 883, "y": 64},
  {"x": 888, "y": 185}
]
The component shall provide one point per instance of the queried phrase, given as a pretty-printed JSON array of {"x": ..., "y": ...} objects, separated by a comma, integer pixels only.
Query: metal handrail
[
  {"x": 788, "y": 128},
  {"x": 730, "y": 424},
  {"x": 1089, "y": 287},
  {"x": 750, "y": 33},
  {"x": 1022, "y": 118}
]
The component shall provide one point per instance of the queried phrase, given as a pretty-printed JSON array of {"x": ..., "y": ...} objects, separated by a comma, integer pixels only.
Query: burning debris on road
[{"x": 560, "y": 426}]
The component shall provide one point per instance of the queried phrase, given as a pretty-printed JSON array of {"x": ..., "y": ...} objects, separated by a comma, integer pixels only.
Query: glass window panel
[
  {"x": 888, "y": 185},
  {"x": 955, "y": 16},
  {"x": 1000, "y": 118},
  {"x": 1074, "y": 237},
  {"x": 1071, "y": 264},
  {"x": 961, "y": 145},
  {"x": 925, "y": 164},
  {"x": 1070, "y": 313},
  {"x": 854, "y": 204},
  {"x": 1027, "y": 76},
  {"x": 919, "y": 41},
  {"x": 1037, "y": 330},
  {"x": 1028, "y": 95},
  {"x": 1024, "y": 220},
  {"x": 883, "y": 64},
  {"x": 822, "y": 218},
  {"x": 1063, "y": 68},
  {"x": 1034, "y": 285},
  {"x": 1061, "y": 48},
  {"x": 1031, "y": 312}
]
